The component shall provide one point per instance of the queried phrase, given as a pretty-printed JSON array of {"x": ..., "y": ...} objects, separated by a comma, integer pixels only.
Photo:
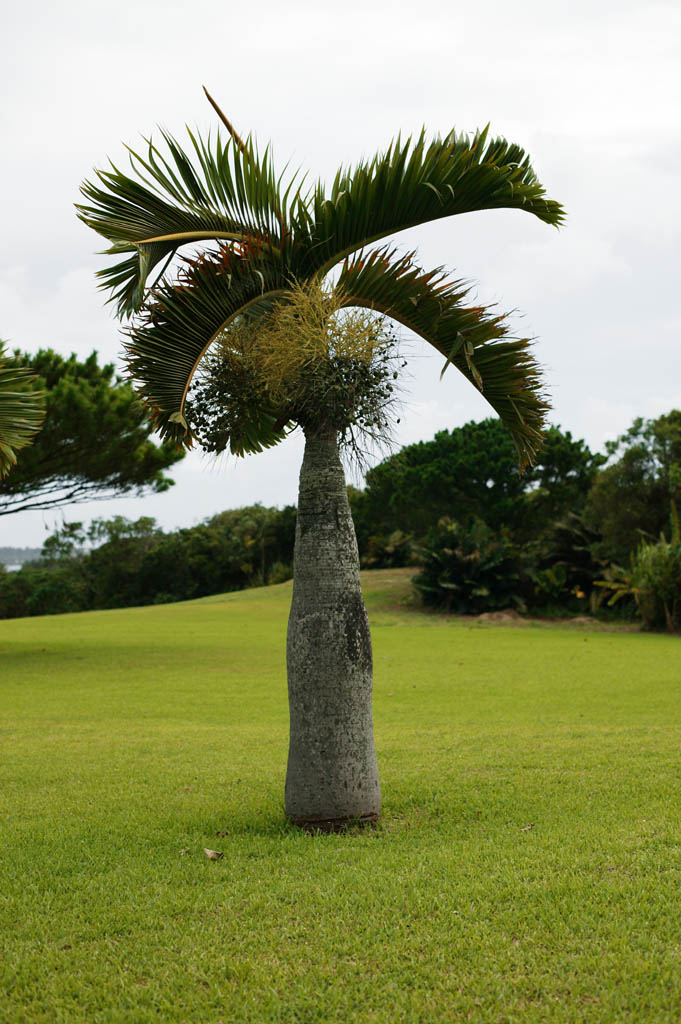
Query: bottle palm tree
[
  {"x": 262, "y": 238},
  {"x": 21, "y": 412}
]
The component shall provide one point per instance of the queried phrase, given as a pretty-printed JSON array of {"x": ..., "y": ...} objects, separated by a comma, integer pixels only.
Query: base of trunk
[{"x": 328, "y": 825}]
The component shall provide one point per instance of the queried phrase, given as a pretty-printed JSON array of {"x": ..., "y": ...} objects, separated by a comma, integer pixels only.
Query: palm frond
[
  {"x": 474, "y": 340},
  {"x": 415, "y": 182},
  {"x": 261, "y": 233},
  {"x": 21, "y": 412},
  {"x": 226, "y": 190},
  {"x": 166, "y": 344}
]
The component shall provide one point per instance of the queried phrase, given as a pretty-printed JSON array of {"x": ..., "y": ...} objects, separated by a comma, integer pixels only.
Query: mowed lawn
[{"x": 528, "y": 867}]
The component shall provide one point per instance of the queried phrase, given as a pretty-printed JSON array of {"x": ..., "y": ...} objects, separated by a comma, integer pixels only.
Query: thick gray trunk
[{"x": 332, "y": 775}]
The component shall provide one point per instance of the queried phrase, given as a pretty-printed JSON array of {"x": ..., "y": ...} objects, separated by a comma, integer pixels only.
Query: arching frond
[
  {"x": 226, "y": 191},
  {"x": 21, "y": 412},
  {"x": 471, "y": 338},
  {"x": 258, "y": 236},
  {"x": 165, "y": 346},
  {"x": 415, "y": 182}
]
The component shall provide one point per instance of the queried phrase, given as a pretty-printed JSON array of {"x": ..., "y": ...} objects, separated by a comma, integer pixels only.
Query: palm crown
[{"x": 264, "y": 234}]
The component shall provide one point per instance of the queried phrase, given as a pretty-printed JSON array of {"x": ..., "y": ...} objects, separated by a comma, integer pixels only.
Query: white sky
[{"x": 592, "y": 88}]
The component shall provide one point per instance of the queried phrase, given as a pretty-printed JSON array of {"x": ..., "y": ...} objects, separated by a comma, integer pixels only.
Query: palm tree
[
  {"x": 263, "y": 238},
  {"x": 21, "y": 412}
]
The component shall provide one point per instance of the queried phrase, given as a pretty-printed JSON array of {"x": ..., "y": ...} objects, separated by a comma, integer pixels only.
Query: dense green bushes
[
  {"x": 630, "y": 499},
  {"x": 549, "y": 542},
  {"x": 41, "y": 591},
  {"x": 656, "y": 581},
  {"x": 471, "y": 569},
  {"x": 118, "y": 563}
]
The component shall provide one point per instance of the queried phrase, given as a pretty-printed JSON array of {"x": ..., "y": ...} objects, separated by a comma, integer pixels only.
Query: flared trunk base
[{"x": 328, "y": 825}]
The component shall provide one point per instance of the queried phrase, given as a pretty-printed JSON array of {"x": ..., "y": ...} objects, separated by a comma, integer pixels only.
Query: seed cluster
[{"x": 310, "y": 361}]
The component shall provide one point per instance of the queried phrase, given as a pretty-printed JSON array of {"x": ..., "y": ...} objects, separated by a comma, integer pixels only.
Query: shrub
[
  {"x": 471, "y": 569},
  {"x": 562, "y": 566},
  {"x": 40, "y": 590},
  {"x": 656, "y": 582},
  {"x": 390, "y": 552},
  {"x": 280, "y": 572},
  {"x": 135, "y": 563}
]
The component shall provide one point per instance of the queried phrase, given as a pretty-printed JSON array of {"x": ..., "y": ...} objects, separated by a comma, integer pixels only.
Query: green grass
[{"x": 129, "y": 736}]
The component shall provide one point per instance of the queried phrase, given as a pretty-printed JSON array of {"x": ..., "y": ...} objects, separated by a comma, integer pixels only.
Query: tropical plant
[
  {"x": 656, "y": 577},
  {"x": 630, "y": 498},
  {"x": 471, "y": 569},
  {"x": 391, "y": 552},
  {"x": 268, "y": 244},
  {"x": 654, "y": 580},
  {"x": 96, "y": 441},
  {"x": 563, "y": 566},
  {"x": 21, "y": 411}
]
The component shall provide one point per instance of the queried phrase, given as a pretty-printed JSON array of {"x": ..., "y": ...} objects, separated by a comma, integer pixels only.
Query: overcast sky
[{"x": 591, "y": 89}]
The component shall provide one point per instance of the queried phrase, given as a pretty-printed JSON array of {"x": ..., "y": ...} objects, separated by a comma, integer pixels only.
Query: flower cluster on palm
[{"x": 267, "y": 244}]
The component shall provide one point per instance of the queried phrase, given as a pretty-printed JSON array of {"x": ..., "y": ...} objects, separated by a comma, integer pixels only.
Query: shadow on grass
[{"x": 425, "y": 815}]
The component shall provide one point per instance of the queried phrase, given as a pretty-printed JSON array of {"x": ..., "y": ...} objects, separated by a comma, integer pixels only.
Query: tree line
[
  {"x": 118, "y": 563},
  {"x": 565, "y": 536},
  {"x": 577, "y": 532}
]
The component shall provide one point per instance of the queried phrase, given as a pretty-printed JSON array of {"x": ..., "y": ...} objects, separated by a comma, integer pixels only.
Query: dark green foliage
[
  {"x": 471, "y": 569},
  {"x": 630, "y": 499},
  {"x": 68, "y": 542},
  {"x": 391, "y": 552},
  {"x": 39, "y": 590},
  {"x": 112, "y": 568},
  {"x": 471, "y": 472},
  {"x": 135, "y": 563},
  {"x": 524, "y": 525},
  {"x": 576, "y": 523},
  {"x": 233, "y": 550},
  {"x": 654, "y": 580},
  {"x": 467, "y": 473},
  {"x": 559, "y": 482},
  {"x": 94, "y": 442},
  {"x": 562, "y": 566}
]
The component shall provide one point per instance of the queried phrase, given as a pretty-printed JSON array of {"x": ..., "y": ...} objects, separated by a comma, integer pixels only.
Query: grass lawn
[{"x": 528, "y": 867}]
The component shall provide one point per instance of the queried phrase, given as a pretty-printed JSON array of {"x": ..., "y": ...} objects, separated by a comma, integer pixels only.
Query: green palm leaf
[
  {"x": 21, "y": 412},
  {"x": 165, "y": 347},
  {"x": 472, "y": 339},
  {"x": 413, "y": 183},
  {"x": 227, "y": 192},
  {"x": 260, "y": 235}
]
